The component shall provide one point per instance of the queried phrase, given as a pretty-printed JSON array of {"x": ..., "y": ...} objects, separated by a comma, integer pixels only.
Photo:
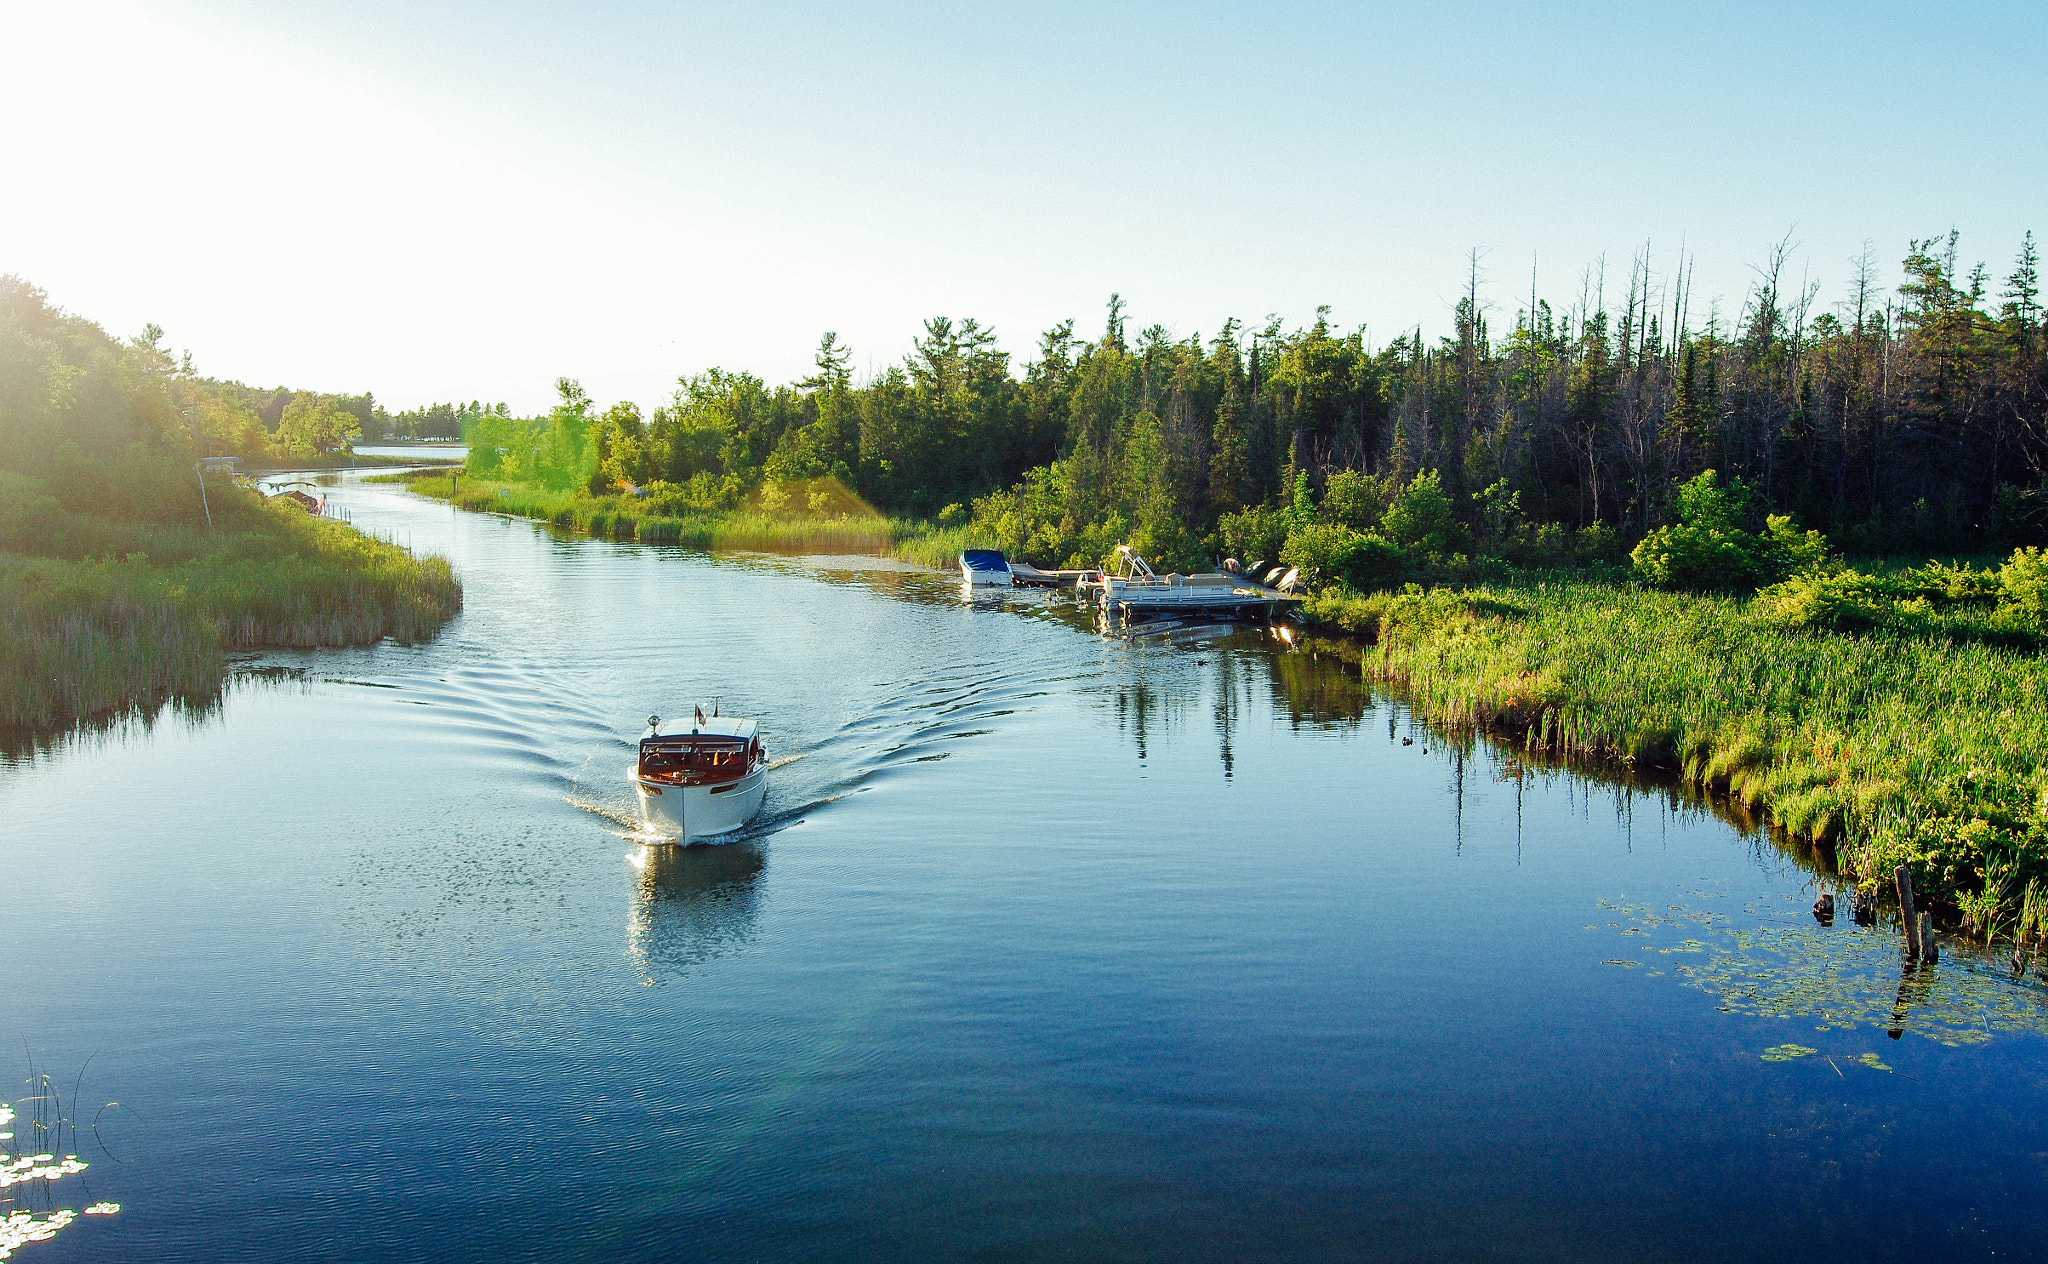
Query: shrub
[
  {"x": 1355, "y": 499},
  {"x": 1705, "y": 503},
  {"x": 1598, "y": 543},
  {"x": 1421, "y": 518},
  {"x": 26, "y": 513},
  {"x": 1316, "y": 546},
  {"x": 1709, "y": 550},
  {"x": 1371, "y": 562},
  {"x": 1338, "y": 555},
  {"x": 1844, "y": 601},
  {"x": 1258, "y": 532},
  {"x": 1945, "y": 583},
  {"x": 1782, "y": 550},
  {"x": 1697, "y": 558},
  {"x": 2024, "y": 577}
]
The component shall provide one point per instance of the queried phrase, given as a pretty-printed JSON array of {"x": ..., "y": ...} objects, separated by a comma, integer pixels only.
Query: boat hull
[
  {"x": 692, "y": 813},
  {"x": 1001, "y": 579}
]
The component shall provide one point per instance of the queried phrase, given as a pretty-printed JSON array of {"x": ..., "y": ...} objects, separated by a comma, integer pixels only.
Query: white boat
[
  {"x": 985, "y": 566},
  {"x": 1132, "y": 587},
  {"x": 702, "y": 780}
]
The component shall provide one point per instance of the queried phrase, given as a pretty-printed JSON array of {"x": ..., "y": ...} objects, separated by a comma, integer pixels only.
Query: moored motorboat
[
  {"x": 701, "y": 781},
  {"x": 985, "y": 566}
]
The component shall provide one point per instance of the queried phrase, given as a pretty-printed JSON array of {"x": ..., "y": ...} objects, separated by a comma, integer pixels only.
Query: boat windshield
[{"x": 694, "y": 757}]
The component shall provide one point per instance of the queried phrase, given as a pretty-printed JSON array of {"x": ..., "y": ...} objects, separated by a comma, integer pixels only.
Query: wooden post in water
[
  {"x": 1930, "y": 952},
  {"x": 1908, "y": 917}
]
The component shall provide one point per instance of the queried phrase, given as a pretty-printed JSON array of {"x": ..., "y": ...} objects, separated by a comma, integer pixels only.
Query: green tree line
[
  {"x": 1902, "y": 418},
  {"x": 279, "y": 423}
]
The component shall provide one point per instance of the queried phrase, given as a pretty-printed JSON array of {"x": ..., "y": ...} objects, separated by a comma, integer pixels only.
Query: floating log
[{"x": 1909, "y": 918}]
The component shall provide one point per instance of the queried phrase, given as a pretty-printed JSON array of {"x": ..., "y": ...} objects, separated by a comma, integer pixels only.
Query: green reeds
[
  {"x": 625, "y": 518},
  {"x": 84, "y": 638},
  {"x": 1896, "y": 749},
  {"x": 87, "y": 636},
  {"x": 938, "y": 547}
]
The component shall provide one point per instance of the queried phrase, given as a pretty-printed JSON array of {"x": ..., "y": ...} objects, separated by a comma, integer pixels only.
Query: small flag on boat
[{"x": 700, "y": 715}]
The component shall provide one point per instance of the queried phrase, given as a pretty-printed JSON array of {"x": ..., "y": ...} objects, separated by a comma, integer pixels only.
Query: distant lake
[{"x": 1052, "y": 941}]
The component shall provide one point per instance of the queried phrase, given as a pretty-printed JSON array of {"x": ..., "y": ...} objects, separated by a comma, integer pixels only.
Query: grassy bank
[
  {"x": 106, "y": 613},
  {"x": 627, "y": 518},
  {"x": 1892, "y": 748}
]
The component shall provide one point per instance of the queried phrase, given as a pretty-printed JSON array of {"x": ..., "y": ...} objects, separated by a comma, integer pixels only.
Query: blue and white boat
[{"x": 986, "y": 566}]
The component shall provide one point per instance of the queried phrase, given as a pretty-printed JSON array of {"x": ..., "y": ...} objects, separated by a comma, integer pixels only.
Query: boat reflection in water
[{"x": 692, "y": 905}]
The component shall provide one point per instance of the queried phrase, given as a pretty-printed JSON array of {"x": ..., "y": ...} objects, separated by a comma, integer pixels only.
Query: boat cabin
[{"x": 716, "y": 750}]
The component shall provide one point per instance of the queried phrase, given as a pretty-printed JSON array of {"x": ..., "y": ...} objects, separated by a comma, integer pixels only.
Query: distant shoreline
[{"x": 351, "y": 461}]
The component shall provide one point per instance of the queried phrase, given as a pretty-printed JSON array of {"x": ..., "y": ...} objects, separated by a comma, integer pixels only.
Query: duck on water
[{"x": 702, "y": 781}]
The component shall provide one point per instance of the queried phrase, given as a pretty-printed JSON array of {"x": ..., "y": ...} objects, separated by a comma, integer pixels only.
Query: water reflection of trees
[
  {"x": 1316, "y": 682},
  {"x": 693, "y": 905},
  {"x": 1318, "y": 688},
  {"x": 1160, "y": 695},
  {"x": 26, "y": 745}
]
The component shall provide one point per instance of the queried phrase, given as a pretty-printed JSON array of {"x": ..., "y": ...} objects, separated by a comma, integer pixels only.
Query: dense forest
[{"x": 1906, "y": 418}]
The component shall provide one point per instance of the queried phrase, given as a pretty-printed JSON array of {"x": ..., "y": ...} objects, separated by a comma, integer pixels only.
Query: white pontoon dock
[{"x": 1133, "y": 588}]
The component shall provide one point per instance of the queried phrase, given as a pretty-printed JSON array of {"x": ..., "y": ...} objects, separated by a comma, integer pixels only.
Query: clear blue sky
[{"x": 441, "y": 200}]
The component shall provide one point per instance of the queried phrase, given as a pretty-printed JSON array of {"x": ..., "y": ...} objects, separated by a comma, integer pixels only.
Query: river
[{"x": 1049, "y": 942}]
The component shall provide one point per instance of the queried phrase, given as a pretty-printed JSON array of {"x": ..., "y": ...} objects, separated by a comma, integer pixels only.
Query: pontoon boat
[{"x": 1132, "y": 588}]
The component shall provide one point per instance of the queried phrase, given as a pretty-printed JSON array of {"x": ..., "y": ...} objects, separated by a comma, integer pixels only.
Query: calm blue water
[{"x": 1050, "y": 943}]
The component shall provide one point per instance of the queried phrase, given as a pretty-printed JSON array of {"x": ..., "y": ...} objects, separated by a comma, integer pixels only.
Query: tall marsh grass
[
  {"x": 625, "y": 518},
  {"x": 85, "y": 638},
  {"x": 1896, "y": 749},
  {"x": 145, "y": 614}
]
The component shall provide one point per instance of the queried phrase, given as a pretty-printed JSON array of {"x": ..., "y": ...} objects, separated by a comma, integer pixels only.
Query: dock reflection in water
[{"x": 692, "y": 905}]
